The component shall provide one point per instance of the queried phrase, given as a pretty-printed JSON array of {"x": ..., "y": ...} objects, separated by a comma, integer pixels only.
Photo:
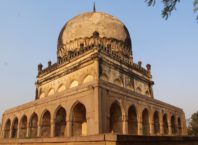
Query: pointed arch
[
  {"x": 73, "y": 84},
  {"x": 33, "y": 125},
  {"x": 79, "y": 120},
  {"x": 7, "y": 129},
  {"x": 132, "y": 120},
  {"x": 179, "y": 126},
  {"x": 156, "y": 123},
  {"x": 115, "y": 117},
  {"x": 145, "y": 122},
  {"x": 173, "y": 126},
  {"x": 15, "y": 128},
  {"x": 60, "y": 122},
  {"x": 165, "y": 124},
  {"x": 51, "y": 92},
  {"x": 87, "y": 79},
  {"x": 46, "y": 124},
  {"x": 61, "y": 88},
  {"x": 23, "y": 127}
]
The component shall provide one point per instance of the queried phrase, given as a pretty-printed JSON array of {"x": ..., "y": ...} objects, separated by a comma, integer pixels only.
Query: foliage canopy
[
  {"x": 169, "y": 6},
  {"x": 193, "y": 125}
]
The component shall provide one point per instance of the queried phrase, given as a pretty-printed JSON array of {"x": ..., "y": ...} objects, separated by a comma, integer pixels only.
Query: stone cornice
[{"x": 99, "y": 49}]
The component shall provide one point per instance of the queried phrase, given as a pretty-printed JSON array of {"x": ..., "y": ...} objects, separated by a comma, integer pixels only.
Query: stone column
[
  {"x": 183, "y": 124},
  {"x": 125, "y": 124},
  {"x": 140, "y": 132},
  {"x": 161, "y": 124},
  {"x": 169, "y": 126},
  {"x": 176, "y": 125},
  {"x": 52, "y": 128},
  {"x": 39, "y": 130},
  {"x": 68, "y": 129},
  {"x": 10, "y": 135},
  {"x": 151, "y": 125},
  {"x": 28, "y": 130},
  {"x": 18, "y": 130}
]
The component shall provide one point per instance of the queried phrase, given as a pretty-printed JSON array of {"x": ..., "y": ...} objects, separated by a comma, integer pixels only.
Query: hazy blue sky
[{"x": 28, "y": 36}]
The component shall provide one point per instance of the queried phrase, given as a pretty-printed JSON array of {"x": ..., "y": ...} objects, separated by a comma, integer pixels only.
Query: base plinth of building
[{"x": 106, "y": 139}]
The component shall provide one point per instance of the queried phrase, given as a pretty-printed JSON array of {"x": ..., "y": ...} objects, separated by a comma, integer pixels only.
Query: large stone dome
[{"x": 87, "y": 24}]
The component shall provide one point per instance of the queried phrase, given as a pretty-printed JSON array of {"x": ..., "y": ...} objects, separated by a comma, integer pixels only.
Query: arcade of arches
[{"x": 145, "y": 123}]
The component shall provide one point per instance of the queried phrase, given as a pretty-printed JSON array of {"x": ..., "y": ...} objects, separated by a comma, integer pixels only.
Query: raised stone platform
[{"x": 105, "y": 139}]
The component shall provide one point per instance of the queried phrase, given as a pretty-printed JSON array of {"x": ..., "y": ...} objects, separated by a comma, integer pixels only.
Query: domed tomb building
[{"x": 93, "y": 88}]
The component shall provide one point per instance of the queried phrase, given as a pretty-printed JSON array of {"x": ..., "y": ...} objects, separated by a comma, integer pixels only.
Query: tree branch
[
  {"x": 195, "y": 4},
  {"x": 169, "y": 6}
]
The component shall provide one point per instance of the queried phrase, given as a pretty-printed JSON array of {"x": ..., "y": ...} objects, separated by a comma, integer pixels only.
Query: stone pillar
[
  {"x": 10, "y": 135},
  {"x": 90, "y": 123},
  {"x": 151, "y": 125},
  {"x": 125, "y": 124},
  {"x": 68, "y": 128},
  {"x": 169, "y": 126},
  {"x": 161, "y": 124},
  {"x": 183, "y": 125},
  {"x": 39, "y": 130},
  {"x": 28, "y": 130},
  {"x": 140, "y": 132},
  {"x": 18, "y": 131},
  {"x": 176, "y": 125},
  {"x": 52, "y": 128}
]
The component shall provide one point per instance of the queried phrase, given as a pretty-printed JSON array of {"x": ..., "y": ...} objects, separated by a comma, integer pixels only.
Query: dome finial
[{"x": 94, "y": 7}]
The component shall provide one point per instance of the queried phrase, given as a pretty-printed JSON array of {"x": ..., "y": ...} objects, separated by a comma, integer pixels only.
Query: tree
[
  {"x": 169, "y": 6},
  {"x": 196, "y": 6},
  {"x": 193, "y": 125}
]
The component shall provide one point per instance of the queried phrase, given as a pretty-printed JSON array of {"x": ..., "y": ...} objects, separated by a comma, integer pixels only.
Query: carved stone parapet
[{"x": 78, "y": 44}]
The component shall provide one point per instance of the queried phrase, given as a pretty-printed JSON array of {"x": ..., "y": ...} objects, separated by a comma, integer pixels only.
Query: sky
[{"x": 29, "y": 31}]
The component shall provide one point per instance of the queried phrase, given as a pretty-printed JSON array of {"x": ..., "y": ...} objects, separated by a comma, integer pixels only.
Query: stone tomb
[{"x": 93, "y": 92}]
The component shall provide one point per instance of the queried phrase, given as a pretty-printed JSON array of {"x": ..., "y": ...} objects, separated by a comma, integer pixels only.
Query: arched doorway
[
  {"x": 132, "y": 121},
  {"x": 23, "y": 127},
  {"x": 173, "y": 126},
  {"x": 145, "y": 122},
  {"x": 15, "y": 128},
  {"x": 33, "y": 125},
  {"x": 156, "y": 123},
  {"x": 79, "y": 121},
  {"x": 165, "y": 124},
  {"x": 179, "y": 126},
  {"x": 115, "y": 118},
  {"x": 46, "y": 125},
  {"x": 7, "y": 129},
  {"x": 60, "y": 122}
]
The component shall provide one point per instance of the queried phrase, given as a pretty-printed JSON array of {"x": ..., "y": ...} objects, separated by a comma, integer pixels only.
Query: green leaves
[
  {"x": 169, "y": 6},
  {"x": 193, "y": 125},
  {"x": 195, "y": 4}
]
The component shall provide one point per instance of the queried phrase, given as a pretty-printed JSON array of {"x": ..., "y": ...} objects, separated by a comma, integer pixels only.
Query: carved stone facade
[{"x": 93, "y": 88}]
